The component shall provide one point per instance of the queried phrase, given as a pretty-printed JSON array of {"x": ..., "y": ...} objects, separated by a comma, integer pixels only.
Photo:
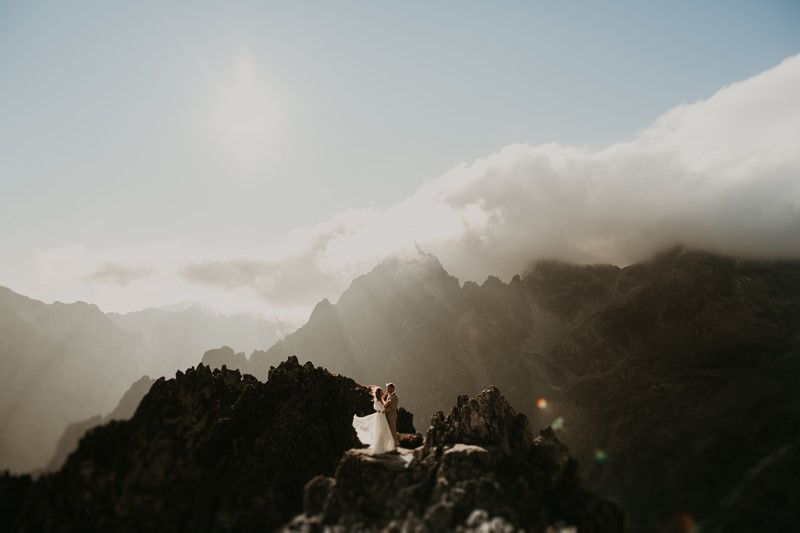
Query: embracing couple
[{"x": 379, "y": 429}]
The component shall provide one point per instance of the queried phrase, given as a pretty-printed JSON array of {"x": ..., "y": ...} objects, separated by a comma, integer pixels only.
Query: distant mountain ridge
[
  {"x": 68, "y": 442},
  {"x": 65, "y": 363},
  {"x": 193, "y": 330},
  {"x": 50, "y": 354},
  {"x": 672, "y": 379}
]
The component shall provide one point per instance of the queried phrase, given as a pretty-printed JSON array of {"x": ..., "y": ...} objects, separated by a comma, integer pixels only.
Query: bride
[{"x": 374, "y": 429}]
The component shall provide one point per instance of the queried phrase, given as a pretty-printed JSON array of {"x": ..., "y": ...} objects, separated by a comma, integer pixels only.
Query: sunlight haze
[{"x": 259, "y": 156}]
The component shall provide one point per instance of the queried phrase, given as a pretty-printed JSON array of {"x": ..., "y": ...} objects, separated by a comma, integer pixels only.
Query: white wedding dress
[{"x": 374, "y": 430}]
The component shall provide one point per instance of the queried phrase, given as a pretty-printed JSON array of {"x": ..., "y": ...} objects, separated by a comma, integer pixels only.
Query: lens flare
[
  {"x": 600, "y": 456},
  {"x": 681, "y": 523},
  {"x": 558, "y": 423},
  {"x": 541, "y": 403}
]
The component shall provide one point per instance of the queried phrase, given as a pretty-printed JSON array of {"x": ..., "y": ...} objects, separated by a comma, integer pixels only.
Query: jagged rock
[
  {"x": 206, "y": 451},
  {"x": 485, "y": 419},
  {"x": 218, "y": 450},
  {"x": 405, "y": 421},
  {"x": 479, "y": 470}
]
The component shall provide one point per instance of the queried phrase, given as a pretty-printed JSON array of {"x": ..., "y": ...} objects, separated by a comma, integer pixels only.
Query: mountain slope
[
  {"x": 65, "y": 363},
  {"x": 640, "y": 362},
  {"x": 411, "y": 323},
  {"x": 50, "y": 355},
  {"x": 704, "y": 351},
  {"x": 180, "y": 337}
]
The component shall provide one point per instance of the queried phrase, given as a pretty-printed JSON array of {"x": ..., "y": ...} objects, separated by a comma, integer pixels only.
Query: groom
[{"x": 390, "y": 408}]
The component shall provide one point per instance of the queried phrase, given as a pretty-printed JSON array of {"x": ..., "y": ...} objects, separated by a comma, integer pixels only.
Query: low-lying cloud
[
  {"x": 292, "y": 278},
  {"x": 722, "y": 174},
  {"x": 120, "y": 274}
]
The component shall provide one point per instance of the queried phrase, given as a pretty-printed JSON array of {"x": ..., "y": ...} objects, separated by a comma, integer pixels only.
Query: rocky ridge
[
  {"x": 205, "y": 451},
  {"x": 221, "y": 451},
  {"x": 479, "y": 469}
]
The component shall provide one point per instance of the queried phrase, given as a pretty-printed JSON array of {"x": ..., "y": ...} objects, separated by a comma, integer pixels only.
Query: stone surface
[
  {"x": 221, "y": 451},
  {"x": 205, "y": 451},
  {"x": 485, "y": 419},
  {"x": 478, "y": 470}
]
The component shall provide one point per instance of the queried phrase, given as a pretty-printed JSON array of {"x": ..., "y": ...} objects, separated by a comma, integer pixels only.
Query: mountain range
[
  {"x": 671, "y": 380},
  {"x": 65, "y": 363}
]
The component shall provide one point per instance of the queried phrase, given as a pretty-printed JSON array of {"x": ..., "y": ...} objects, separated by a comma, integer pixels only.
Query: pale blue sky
[{"x": 230, "y": 124}]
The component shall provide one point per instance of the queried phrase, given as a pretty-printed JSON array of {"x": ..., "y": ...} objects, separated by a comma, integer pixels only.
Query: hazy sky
[{"x": 258, "y": 155}]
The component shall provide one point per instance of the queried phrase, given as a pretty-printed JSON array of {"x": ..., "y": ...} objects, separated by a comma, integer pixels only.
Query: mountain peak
[
  {"x": 486, "y": 419},
  {"x": 321, "y": 311},
  {"x": 418, "y": 263}
]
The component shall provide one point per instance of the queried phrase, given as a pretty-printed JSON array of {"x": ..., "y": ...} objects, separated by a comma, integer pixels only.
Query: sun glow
[{"x": 248, "y": 116}]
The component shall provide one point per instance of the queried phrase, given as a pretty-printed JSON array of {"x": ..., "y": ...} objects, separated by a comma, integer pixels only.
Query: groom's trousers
[{"x": 391, "y": 417}]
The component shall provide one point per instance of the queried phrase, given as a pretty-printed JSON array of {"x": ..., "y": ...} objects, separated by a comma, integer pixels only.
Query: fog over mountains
[
  {"x": 569, "y": 234},
  {"x": 719, "y": 174},
  {"x": 673, "y": 363},
  {"x": 65, "y": 363}
]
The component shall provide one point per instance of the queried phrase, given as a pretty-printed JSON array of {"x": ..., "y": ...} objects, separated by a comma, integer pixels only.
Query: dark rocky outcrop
[
  {"x": 479, "y": 469},
  {"x": 486, "y": 419},
  {"x": 205, "y": 451},
  {"x": 221, "y": 451}
]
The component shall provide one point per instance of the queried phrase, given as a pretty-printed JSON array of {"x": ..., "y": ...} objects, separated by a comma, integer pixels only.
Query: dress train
[{"x": 374, "y": 430}]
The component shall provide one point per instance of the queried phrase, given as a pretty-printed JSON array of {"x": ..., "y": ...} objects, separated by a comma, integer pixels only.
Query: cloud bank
[
  {"x": 120, "y": 274},
  {"x": 722, "y": 174}
]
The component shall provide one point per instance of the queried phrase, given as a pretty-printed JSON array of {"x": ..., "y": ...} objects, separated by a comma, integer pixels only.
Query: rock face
[
  {"x": 205, "y": 451},
  {"x": 410, "y": 322},
  {"x": 479, "y": 469},
  {"x": 486, "y": 419},
  {"x": 221, "y": 451}
]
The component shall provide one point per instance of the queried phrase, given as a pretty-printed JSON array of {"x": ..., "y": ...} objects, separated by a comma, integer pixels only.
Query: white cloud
[{"x": 721, "y": 174}]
